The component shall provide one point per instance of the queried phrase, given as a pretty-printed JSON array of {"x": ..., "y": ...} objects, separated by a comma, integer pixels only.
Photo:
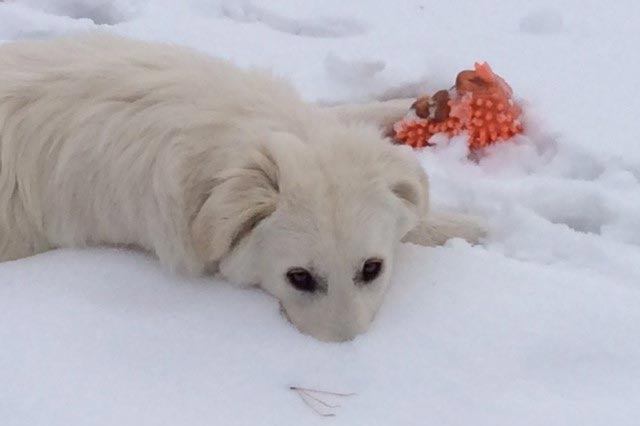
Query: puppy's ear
[
  {"x": 409, "y": 183},
  {"x": 239, "y": 200}
]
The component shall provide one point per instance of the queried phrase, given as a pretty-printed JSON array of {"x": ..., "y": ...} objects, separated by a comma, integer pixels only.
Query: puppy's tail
[{"x": 436, "y": 228}]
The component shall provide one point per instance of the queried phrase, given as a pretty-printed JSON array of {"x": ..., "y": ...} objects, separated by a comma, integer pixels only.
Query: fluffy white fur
[{"x": 108, "y": 141}]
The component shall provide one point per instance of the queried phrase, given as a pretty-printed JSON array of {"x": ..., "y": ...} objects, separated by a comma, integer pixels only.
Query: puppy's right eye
[{"x": 302, "y": 280}]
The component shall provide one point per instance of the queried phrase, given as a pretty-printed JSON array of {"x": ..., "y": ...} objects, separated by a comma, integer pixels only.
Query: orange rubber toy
[{"x": 480, "y": 104}]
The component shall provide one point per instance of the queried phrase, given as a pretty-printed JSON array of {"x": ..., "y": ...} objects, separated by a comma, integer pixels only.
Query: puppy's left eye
[
  {"x": 302, "y": 280},
  {"x": 371, "y": 270}
]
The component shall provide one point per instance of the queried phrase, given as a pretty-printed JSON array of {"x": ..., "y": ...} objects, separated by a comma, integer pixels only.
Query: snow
[{"x": 540, "y": 325}]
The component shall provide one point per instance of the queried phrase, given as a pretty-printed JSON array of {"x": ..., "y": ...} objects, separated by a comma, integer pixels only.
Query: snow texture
[{"x": 538, "y": 326}]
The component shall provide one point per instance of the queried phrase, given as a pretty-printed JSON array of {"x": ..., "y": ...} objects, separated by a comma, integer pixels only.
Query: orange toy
[{"x": 480, "y": 104}]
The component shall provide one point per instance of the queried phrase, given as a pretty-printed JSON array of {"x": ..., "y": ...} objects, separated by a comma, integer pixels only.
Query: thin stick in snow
[{"x": 307, "y": 395}]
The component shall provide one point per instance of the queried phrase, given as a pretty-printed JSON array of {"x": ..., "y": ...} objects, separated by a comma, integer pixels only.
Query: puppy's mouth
[{"x": 327, "y": 339}]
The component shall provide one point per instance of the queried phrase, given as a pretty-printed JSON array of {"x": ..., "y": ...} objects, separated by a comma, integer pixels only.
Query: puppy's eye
[
  {"x": 371, "y": 269},
  {"x": 302, "y": 280}
]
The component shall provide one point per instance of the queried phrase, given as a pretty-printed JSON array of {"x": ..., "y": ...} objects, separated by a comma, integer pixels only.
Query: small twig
[
  {"x": 297, "y": 388},
  {"x": 308, "y": 394},
  {"x": 303, "y": 396},
  {"x": 315, "y": 398}
]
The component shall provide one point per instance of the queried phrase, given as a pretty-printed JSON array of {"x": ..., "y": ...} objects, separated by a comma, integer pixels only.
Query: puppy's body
[
  {"x": 101, "y": 139},
  {"x": 110, "y": 141}
]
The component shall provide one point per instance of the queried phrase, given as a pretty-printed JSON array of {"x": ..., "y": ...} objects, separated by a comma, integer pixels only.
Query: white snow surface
[{"x": 540, "y": 325}]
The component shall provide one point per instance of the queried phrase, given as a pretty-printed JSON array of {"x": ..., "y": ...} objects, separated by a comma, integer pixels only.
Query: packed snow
[{"x": 539, "y": 325}]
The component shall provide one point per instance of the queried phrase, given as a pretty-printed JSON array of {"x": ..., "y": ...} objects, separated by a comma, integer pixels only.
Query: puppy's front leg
[
  {"x": 382, "y": 113},
  {"x": 436, "y": 228}
]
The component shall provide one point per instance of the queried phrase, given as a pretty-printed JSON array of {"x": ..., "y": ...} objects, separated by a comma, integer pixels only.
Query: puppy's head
[{"x": 315, "y": 225}]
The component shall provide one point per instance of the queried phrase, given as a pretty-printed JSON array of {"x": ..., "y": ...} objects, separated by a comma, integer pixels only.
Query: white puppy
[{"x": 109, "y": 141}]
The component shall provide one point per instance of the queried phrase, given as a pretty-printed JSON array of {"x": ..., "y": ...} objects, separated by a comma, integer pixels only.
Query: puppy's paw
[
  {"x": 383, "y": 114},
  {"x": 436, "y": 228}
]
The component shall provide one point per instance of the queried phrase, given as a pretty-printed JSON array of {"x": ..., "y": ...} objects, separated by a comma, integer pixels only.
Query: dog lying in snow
[{"x": 108, "y": 141}]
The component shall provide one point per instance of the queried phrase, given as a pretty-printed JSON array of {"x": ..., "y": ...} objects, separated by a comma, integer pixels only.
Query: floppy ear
[
  {"x": 409, "y": 183},
  {"x": 240, "y": 198}
]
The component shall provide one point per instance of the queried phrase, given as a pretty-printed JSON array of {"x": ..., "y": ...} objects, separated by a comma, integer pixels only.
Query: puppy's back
[
  {"x": 102, "y": 65},
  {"x": 92, "y": 133}
]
